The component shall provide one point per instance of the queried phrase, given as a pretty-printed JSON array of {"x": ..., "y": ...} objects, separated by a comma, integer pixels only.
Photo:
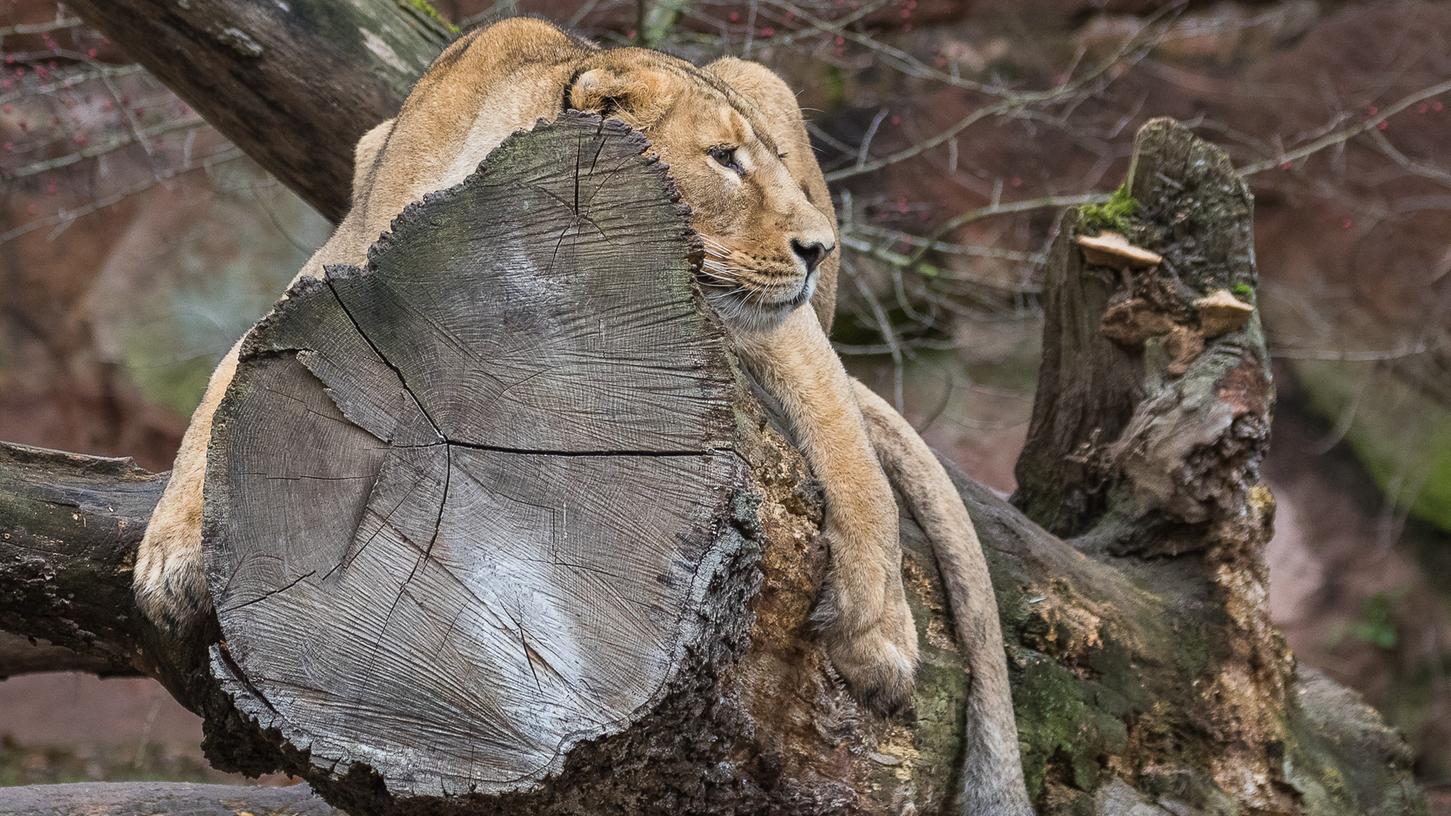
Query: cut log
[{"x": 464, "y": 505}]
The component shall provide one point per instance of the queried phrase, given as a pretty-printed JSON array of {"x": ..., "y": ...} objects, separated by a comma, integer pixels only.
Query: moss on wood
[{"x": 1113, "y": 214}]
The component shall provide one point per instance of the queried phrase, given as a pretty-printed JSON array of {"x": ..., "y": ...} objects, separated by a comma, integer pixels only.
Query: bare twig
[{"x": 1344, "y": 135}]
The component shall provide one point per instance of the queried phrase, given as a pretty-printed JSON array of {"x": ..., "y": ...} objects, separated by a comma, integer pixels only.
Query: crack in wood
[
  {"x": 264, "y": 596},
  {"x": 423, "y": 558},
  {"x": 389, "y": 363}
]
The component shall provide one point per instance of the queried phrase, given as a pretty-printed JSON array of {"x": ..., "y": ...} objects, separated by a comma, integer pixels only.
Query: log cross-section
[{"x": 464, "y": 505}]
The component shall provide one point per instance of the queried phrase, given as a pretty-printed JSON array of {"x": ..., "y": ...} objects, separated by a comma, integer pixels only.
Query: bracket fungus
[
  {"x": 1113, "y": 250},
  {"x": 1220, "y": 312}
]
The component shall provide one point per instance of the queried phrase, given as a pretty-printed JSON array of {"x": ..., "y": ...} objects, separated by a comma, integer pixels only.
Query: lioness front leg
[
  {"x": 866, "y": 624},
  {"x": 169, "y": 581}
]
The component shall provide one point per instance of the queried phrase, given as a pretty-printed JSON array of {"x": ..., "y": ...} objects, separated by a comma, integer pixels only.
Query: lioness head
[{"x": 764, "y": 240}]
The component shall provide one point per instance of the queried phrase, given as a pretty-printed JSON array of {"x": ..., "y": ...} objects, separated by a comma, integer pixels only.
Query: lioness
[{"x": 737, "y": 148}]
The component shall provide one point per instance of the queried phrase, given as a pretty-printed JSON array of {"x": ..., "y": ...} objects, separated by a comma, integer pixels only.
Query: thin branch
[
  {"x": 1138, "y": 42},
  {"x": 101, "y": 148},
  {"x": 65, "y": 217},
  {"x": 1346, "y": 134}
]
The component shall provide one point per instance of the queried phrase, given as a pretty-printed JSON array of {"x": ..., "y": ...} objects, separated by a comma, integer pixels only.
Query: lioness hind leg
[{"x": 169, "y": 581}]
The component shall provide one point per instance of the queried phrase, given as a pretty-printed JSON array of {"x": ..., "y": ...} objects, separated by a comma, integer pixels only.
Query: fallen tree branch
[
  {"x": 68, "y": 538},
  {"x": 23, "y": 655}
]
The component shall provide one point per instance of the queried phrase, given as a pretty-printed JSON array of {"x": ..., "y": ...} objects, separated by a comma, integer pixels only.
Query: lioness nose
[{"x": 812, "y": 253}]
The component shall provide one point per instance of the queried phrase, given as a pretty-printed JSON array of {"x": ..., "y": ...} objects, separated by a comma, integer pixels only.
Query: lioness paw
[
  {"x": 878, "y": 660},
  {"x": 169, "y": 581},
  {"x": 879, "y": 666}
]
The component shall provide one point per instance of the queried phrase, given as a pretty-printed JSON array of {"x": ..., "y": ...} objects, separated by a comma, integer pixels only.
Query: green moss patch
[
  {"x": 1064, "y": 735},
  {"x": 1114, "y": 214},
  {"x": 427, "y": 10}
]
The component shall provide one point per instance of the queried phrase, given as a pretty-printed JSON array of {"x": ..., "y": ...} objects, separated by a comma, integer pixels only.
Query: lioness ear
[{"x": 634, "y": 96}]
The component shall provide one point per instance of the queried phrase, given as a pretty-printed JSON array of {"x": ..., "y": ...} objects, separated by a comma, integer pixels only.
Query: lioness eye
[{"x": 726, "y": 157}]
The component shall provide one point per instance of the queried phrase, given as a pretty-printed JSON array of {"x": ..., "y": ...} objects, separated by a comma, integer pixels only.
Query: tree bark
[{"x": 70, "y": 528}]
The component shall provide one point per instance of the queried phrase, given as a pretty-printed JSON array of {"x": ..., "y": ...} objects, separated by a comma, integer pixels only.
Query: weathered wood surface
[
  {"x": 294, "y": 84},
  {"x": 1133, "y": 439},
  {"x": 157, "y": 798},
  {"x": 463, "y": 505},
  {"x": 1147, "y": 449}
]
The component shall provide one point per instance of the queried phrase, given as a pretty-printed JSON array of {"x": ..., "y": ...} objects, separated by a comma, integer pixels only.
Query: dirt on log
[{"x": 1146, "y": 678}]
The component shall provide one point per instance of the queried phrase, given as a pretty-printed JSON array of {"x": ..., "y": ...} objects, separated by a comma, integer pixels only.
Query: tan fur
[
  {"x": 992, "y": 778},
  {"x": 504, "y": 78}
]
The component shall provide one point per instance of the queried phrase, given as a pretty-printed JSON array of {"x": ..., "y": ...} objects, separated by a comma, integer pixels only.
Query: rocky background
[{"x": 136, "y": 244}]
